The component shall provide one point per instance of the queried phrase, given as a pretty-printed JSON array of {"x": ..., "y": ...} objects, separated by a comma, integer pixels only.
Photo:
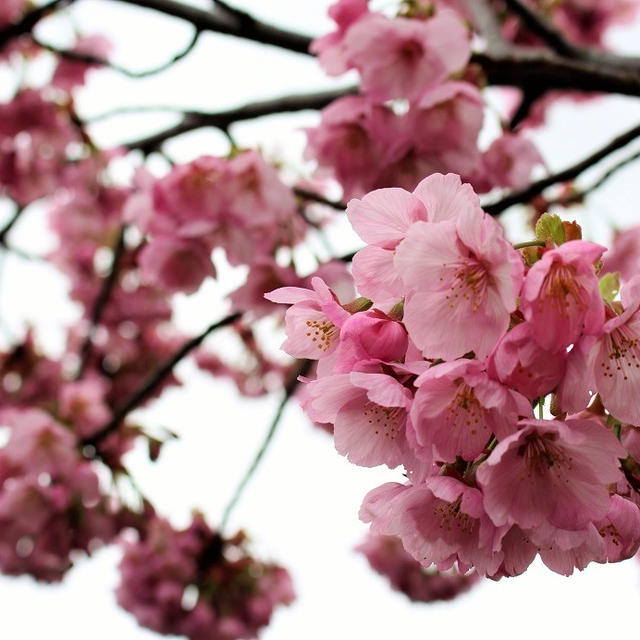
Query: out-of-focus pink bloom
[
  {"x": 195, "y": 583},
  {"x": 50, "y": 502},
  {"x": 508, "y": 162},
  {"x": 624, "y": 255},
  {"x": 34, "y": 136},
  {"x": 176, "y": 264},
  {"x": 551, "y": 472},
  {"x": 330, "y": 48},
  {"x": 83, "y": 404},
  {"x": 190, "y": 199},
  {"x": 10, "y": 10},
  {"x": 402, "y": 58},
  {"x": 354, "y": 139},
  {"x": 560, "y": 296},
  {"x": 463, "y": 279},
  {"x": 458, "y": 407},
  {"x": 72, "y": 73},
  {"x": 521, "y": 363},
  {"x": 387, "y": 557}
]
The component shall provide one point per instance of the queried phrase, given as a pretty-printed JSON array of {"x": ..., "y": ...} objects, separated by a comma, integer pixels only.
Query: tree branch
[
  {"x": 223, "y": 119},
  {"x": 289, "y": 390},
  {"x": 101, "y": 302},
  {"x": 536, "y": 188},
  {"x": 236, "y": 23},
  {"x": 94, "y": 60},
  {"x": 30, "y": 20},
  {"x": 538, "y": 26},
  {"x": 155, "y": 379}
]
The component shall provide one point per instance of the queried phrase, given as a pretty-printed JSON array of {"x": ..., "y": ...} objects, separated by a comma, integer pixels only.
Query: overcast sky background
[{"x": 301, "y": 508}]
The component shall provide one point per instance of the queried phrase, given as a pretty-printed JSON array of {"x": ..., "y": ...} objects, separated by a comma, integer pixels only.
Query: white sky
[{"x": 301, "y": 508}]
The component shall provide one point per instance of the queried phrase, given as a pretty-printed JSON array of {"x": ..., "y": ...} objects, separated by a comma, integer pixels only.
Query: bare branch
[
  {"x": 224, "y": 119},
  {"x": 301, "y": 370},
  {"x": 536, "y": 188},
  {"x": 538, "y": 26},
  {"x": 235, "y": 23},
  {"x": 30, "y": 20},
  {"x": 101, "y": 302},
  {"x": 155, "y": 379},
  {"x": 94, "y": 60}
]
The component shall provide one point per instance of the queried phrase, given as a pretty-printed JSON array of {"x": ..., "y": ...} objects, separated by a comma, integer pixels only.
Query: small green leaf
[
  {"x": 549, "y": 227},
  {"x": 609, "y": 285}
]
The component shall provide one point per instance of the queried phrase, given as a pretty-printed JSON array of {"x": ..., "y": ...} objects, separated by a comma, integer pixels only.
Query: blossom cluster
[
  {"x": 195, "y": 583},
  {"x": 438, "y": 367},
  {"x": 420, "y": 109}
]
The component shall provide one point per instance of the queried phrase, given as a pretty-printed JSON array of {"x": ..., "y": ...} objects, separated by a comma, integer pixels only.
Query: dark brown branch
[
  {"x": 291, "y": 386},
  {"x": 311, "y": 196},
  {"x": 542, "y": 70},
  {"x": 538, "y": 26},
  {"x": 4, "y": 232},
  {"x": 75, "y": 56},
  {"x": 155, "y": 380},
  {"x": 580, "y": 195},
  {"x": 536, "y": 188},
  {"x": 223, "y": 119},
  {"x": 30, "y": 20},
  {"x": 236, "y": 24},
  {"x": 101, "y": 302}
]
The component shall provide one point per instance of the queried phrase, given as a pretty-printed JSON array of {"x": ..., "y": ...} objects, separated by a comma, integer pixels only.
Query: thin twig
[
  {"x": 155, "y": 379},
  {"x": 95, "y": 60},
  {"x": 101, "y": 302},
  {"x": 311, "y": 196},
  {"x": 536, "y": 188},
  {"x": 223, "y": 119},
  {"x": 4, "y": 232},
  {"x": 29, "y": 20},
  {"x": 290, "y": 388},
  {"x": 230, "y": 24},
  {"x": 538, "y": 26},
  {"x": 580, "y": 195}
]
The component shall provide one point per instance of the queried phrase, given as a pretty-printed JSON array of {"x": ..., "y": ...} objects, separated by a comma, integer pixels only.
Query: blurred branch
[
  {"x": 579, "y": 195},
  {"x": 311, "y": 196},
  {"x": 538, "y": 26},
  {"x": 223, "y": 119},
  {"x": 233, "y": 23},
  {"x": 536, "y": 188},
  {"x": 4, "y": 232},
  {"x": 94, "y": 60},
  {"x": 101, "y": 302},
  {"x": 156, "y": 379},
  {"x": 30, "y": 20},
  {"x": 291, "y": 386}
]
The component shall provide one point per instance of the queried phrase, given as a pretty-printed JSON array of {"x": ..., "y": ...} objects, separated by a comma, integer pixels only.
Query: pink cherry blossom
[
  {"x": 458, "y": 408},
  {"x": 368, "y": 410},
  {"x": 176, "y": 264},
  {"x": 560, "y": 296},
  {"x": 521, "y": 363},
  {"x": 551, "y": 472},
  {"x": 387, "y": 557},
  {"x": 401, "y": 57},
  {"x": 463, "y": 279},
  {"x": 440, "y": 522},
  {"x": 312, "y": 322}
]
